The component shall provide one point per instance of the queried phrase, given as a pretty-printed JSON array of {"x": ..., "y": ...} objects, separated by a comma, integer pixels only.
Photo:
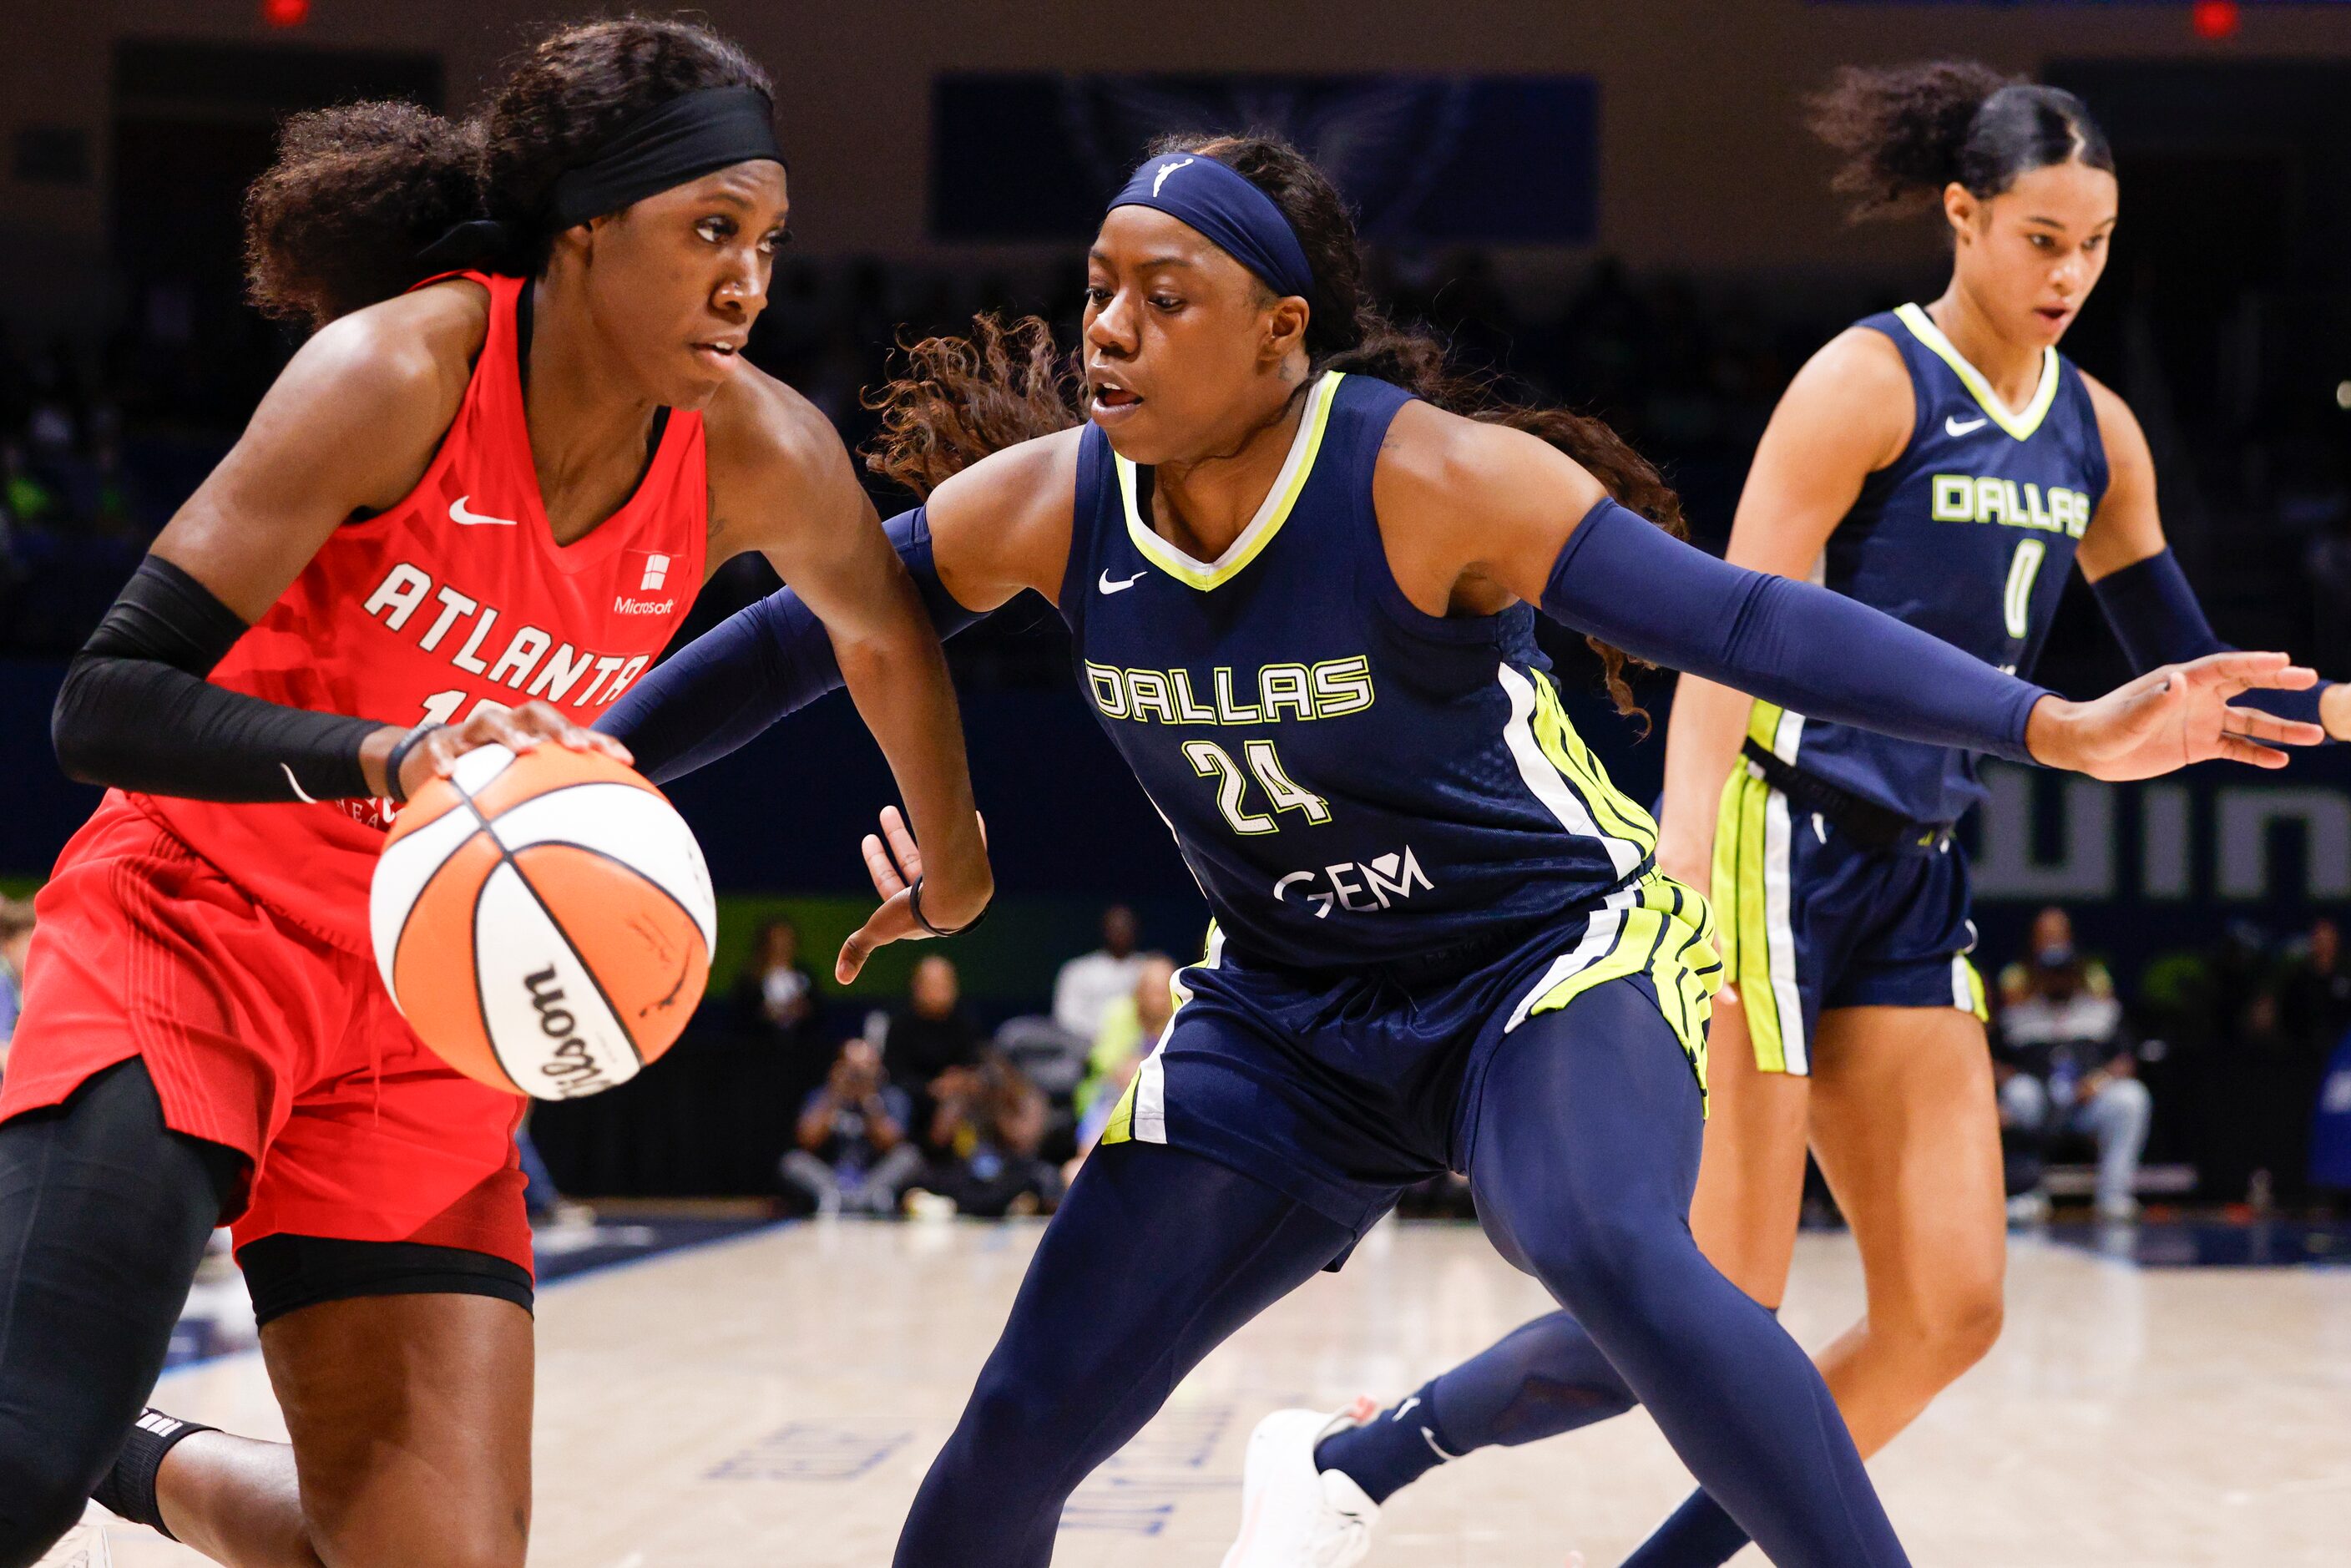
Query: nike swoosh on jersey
[
  {"x": 457, "y": 514},
  {"x": 1957, "y": 426},
  {"x": 1107, "y": 585}
]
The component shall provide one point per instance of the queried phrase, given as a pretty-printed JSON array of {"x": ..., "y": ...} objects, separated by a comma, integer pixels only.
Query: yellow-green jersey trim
[
  {"x": 1271, "y": 513},
  {"x": 1659, "y": 927},
  {"x": 2021, "y": 424},
  {"x": 1560, "y": 770},
  {"x": 1754, "y": 898},
  {"x": 1967, "y": 989},
  {"x": 1141, "y": 1113},
  {"x": 1751, "y": 897}
]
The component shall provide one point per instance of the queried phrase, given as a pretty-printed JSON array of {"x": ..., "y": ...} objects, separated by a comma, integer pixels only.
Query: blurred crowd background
[{"x": 1615, "y": 206}]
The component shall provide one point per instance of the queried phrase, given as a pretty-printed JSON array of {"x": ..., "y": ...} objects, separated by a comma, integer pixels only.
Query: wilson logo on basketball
[
  {"x": 543, "y": 921},
  {"x": 573, "y": 1067}
]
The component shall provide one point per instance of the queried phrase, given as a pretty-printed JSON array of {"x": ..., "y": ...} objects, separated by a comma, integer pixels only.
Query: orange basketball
[{"x": 543, "y": 921}]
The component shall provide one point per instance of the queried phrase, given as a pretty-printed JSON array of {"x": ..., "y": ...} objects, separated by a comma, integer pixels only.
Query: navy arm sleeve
[
  {"x": 1624, "y": 579},
  {"x": 723, "y": 689},
  {"x": 2158, "y": 620}
]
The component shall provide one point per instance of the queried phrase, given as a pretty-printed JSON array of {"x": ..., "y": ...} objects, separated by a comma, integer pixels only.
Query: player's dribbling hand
[
  {"x": 894, "y": 860},
  {"x": 518, "y": 729},
  {"x": 2173, "y": 716}
]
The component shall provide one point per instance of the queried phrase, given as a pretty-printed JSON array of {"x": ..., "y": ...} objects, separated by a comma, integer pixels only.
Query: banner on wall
[
  {"x": 2167, "y": 864},
  {"x": 1481, "y": 160}
]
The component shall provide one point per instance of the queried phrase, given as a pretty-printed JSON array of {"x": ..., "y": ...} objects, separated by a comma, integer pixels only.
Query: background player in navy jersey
[
  {"x": 1302, "y": 600},
  {"x": 537, "y": 444},
  {"x": 1948, "y": 465}
]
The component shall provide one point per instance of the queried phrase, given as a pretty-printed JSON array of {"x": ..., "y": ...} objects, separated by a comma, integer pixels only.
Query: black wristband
[
  {"x": 398, "y": 755},
  {"x": 915, "y": 907},
  {"x": 128, "y": 1491}
]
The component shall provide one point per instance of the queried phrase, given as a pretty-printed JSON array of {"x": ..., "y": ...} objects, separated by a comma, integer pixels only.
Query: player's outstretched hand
[
  {"x": 2173, "y": 716},
  {"x": 519, "y": 729},
  {"x": 894, "y": 862}
]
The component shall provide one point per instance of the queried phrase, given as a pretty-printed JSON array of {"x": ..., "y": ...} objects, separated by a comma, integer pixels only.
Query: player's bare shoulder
[
  {"x": 774, "y": 456},
  {"x": 1013, "y": 511},
  {"x": 759, "y": 428},
  {"x": 360, "y": 408},
  {"x": 419, "y": 347},
  {"x": 1853, "y": 395}
]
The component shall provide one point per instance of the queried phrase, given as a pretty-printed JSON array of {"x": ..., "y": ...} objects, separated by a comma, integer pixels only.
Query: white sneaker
[
  {"x": 84, "y": 1546},
  {"x": 1293, "y": 1515}
]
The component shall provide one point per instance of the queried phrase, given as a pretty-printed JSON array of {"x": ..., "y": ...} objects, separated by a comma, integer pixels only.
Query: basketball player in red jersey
[{"x": 468, "y": 513}]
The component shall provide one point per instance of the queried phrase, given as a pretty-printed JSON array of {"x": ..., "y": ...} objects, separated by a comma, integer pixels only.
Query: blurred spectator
[
  {"x": 1088, "y": 986},
  {"x": 2314, "y": 989},
  {"x": 2284, "y": 1040},
  {"x": 16, "y": 941},
  {"x": 779, "y": 1016},
  {"x": 1132, "y": 1025},
  {"x": 985, "y": 1130},
  {"x": 2064, "y": 1065},
  {"x": 931, "y": 1033},
  {"x": 853, "y": 1153},
  {"x": 1131, "y": 1031},
  {"x": 28, "y": 499},
  {"x": 775, "y": 996}
]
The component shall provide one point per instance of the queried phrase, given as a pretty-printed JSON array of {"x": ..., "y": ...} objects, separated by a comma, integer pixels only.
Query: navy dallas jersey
[
  {"x": 1351, "y": 780},
  {"x": 1969, "y": 534}
]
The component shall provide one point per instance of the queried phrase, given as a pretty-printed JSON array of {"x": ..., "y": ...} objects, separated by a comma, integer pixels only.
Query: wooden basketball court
[{"x": 773, "y": 1399}]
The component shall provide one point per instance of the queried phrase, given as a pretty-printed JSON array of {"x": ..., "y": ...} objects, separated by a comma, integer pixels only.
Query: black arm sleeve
[{"x": 137, "y": 713}]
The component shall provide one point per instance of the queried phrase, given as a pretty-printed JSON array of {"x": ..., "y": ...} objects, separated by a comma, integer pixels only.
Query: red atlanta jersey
[{"x": 455, "y": 600}]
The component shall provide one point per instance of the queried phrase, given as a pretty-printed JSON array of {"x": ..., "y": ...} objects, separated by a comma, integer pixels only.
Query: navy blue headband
[{"x": 1220, "y": 201}]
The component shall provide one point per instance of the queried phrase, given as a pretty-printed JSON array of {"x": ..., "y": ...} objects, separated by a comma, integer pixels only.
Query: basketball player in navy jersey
[
  {"x": 1301, "y": 591},
  {"x": 1946, "y": 465}
]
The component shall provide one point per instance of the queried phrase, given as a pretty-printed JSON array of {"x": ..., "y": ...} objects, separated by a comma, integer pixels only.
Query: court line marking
[{"x": 594, "y": 1271}]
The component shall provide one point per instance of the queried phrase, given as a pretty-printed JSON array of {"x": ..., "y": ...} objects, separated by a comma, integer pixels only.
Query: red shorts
[{"x": 260, "y": 1036}]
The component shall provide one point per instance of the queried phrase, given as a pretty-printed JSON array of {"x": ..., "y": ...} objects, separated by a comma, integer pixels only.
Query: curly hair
[
  {"x": 357, "y": 190},
  {"x": 1907, "y": 133},
  {"x": 957, "y": 400}
]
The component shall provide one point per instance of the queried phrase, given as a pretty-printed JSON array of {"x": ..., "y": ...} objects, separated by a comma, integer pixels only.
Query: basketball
[{"x": 543, "y": 921}]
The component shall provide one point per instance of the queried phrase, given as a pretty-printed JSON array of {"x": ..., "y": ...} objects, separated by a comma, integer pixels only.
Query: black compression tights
[
  {"x": 104, "y": 1214},
  {"x": 1587, "y": 1155}
]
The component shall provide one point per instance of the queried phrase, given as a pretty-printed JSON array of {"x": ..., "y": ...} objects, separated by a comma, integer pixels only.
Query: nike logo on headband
[{"x": 1166, "y": 170}]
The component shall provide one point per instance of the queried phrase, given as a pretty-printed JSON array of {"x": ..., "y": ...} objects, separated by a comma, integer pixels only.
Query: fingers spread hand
[
  {"x": 903, "y": 847},
  {"x": 2258, "y": 726},
  {"x": 887, "y": 882},
  {"x": 894, "y": 922},
  {"x": 2236, "y": 748},
  {"x": 2235, "y": 670}
]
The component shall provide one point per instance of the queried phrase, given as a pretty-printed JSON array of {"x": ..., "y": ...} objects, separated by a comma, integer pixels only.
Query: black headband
[{"x": 681, "y": 139}]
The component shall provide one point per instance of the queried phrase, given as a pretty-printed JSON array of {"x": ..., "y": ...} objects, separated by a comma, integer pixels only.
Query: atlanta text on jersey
[{"x": 530, "y": 661}]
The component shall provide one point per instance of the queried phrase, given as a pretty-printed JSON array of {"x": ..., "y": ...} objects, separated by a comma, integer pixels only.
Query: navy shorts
[
  {"x": 1811, "y": 920},
  {"x": 1344, "y": 1088}
]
